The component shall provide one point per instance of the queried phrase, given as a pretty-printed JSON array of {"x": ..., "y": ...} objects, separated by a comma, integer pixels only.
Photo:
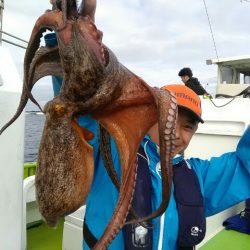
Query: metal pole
[
  {"x": 15, "y": 44},
  {"x": 8, "y": 34},
  {"x": 1, "y": 18}
]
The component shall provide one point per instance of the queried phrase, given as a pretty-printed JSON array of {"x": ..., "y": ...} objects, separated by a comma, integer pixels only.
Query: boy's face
[
  {"x": 185, "y": 129},
  {"x": 186, "y": 126}
]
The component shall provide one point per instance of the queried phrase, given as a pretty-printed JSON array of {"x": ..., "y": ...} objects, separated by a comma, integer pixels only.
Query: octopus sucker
[{"x": 96, "y": 84}]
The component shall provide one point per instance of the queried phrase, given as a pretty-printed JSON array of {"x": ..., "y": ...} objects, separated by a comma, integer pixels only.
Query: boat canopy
[
  {"x": 233, "y": 75},
  {"x": 234, "y": 70}
]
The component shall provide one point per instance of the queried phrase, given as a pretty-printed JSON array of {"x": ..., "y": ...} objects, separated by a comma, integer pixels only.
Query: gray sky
[{"x": 153, "y": 38}]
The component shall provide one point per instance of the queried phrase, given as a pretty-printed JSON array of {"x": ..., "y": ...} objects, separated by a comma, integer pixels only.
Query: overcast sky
[{"x": 153, "y": 38}]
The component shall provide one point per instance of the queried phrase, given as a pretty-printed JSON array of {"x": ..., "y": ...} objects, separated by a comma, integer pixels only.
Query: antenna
[
  {"x": 211, "y": 30},
  {"x": 1, "y": 19}
]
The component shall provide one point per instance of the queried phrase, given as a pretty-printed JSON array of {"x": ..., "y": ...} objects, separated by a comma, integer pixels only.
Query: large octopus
[{"x": 95, "y": 84}]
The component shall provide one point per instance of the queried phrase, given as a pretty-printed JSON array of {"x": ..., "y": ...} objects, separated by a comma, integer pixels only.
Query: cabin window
[
  {"x": 226, "y": 75},
  {"x": 247, "y": 78},
  {"x": 230, "y": 75},
  {"x": 242, "y": 78}
]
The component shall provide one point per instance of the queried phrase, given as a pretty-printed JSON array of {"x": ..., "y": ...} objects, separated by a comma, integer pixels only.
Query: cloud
[{"x": 154, "y": 38}]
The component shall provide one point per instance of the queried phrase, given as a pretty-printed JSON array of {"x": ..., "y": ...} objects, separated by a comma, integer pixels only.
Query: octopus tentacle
[
  {"x": 104, "y": 142},
  {"x": 68, "y": 9},
  {"x": 166, "y": 106},
  {"x": 43, "y": 58},
  {"x": 86, "y": 10},
  {"x": 128, "y": 134},
  {"x": 120, "y": 212},
  {"x": 46, "y": 62},
  {"x": 64, "y": 10},
  {"x": 52, "y": 20}
]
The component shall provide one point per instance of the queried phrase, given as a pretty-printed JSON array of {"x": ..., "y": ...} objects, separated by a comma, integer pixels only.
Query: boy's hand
[{"x": 207, "y": 96}]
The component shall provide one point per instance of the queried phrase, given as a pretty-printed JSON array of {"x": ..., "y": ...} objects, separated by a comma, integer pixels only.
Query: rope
[
  {"x": 211, "y": 30},
  {"x": 217, "y": 106},
  {"x": 245, "y": 91}
]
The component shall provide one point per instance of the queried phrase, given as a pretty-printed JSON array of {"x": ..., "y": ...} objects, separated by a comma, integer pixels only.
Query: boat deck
[
  {"x": 44, "y": 238},
  {"x": 228, "y": 240}
]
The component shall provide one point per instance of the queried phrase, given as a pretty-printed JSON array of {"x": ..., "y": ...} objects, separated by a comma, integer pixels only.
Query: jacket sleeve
[
  {"x": 89, "y": 123},
  {"x": 225, "y": 180}
]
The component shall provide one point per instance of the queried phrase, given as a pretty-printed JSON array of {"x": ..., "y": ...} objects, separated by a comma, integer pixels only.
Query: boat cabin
[{"x": 233, "y": 77}]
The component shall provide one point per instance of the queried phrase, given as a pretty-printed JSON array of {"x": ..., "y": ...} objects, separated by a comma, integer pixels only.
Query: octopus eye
[{"x": 59, "y": 109}]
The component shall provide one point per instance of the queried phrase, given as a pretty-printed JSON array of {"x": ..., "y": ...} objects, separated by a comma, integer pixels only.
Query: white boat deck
[{"x": 11, "y": 156}]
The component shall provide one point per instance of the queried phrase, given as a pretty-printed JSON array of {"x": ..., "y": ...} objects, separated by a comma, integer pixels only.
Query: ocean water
[{"x": 34, "y": 123}]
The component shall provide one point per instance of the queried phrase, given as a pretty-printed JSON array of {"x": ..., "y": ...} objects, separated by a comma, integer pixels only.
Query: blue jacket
[{"x": 224, "y": 181}]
